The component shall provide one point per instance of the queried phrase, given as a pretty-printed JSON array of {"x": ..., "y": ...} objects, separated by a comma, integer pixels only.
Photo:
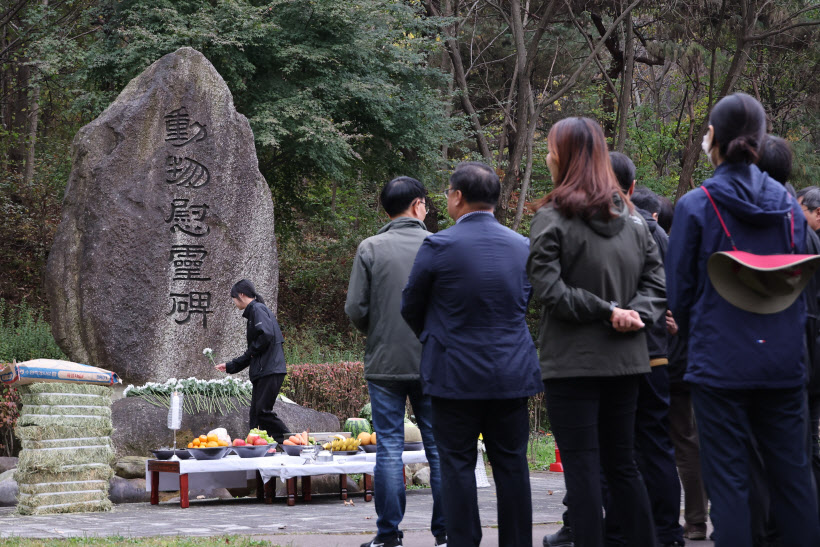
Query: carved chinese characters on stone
[
  {"x": 179, "y": 130},
  {"x": 187, "y": 262},
  {"x": 184, "y": 305},
  {"x": 188, "y": 219},
  {"x": 186, "y": 172}
]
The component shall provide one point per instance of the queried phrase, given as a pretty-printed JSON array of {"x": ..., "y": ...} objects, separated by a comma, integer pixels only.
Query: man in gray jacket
[{"x": 393, "y": 354}]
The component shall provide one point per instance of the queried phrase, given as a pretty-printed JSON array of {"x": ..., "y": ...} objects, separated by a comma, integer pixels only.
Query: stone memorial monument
[{"x": 164, "y": 211}]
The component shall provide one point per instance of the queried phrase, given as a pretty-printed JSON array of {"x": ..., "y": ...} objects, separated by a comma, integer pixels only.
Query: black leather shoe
[{"x": 561, "y": 538}]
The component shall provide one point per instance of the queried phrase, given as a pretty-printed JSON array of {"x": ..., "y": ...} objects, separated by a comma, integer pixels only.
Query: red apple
[
  {"x": 238, "y": 442},
  {"x": 260, "y": 442},
  {"x": 251, "y": 439}
]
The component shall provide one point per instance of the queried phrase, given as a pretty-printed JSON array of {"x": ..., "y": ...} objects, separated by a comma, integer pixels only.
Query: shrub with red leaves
[
  {"x": 337, "y": 388},
  {"x": 9, "y": 412}
]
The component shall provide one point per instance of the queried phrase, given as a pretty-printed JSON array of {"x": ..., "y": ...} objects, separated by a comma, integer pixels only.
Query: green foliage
[
  {"x": 25, "y": 335},
  {"x": 29, "y": 216},
  {"x": 541, "y": 451}
]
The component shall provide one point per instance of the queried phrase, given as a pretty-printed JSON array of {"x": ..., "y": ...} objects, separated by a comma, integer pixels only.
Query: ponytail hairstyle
[
  {"x": 245, "y": 287},
  {"x": 740, "y": 127}
]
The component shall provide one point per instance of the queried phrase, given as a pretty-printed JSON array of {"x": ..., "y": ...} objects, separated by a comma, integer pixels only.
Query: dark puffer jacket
[
  {"x": 264, "y": 355},
  {"x": 656, "y": 336}
]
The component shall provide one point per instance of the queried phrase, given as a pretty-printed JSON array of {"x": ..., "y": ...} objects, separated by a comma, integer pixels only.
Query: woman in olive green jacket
[{"x": 598, "y": 276}]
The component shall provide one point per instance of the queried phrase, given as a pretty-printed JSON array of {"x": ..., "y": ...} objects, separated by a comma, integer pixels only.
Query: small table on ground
[{"x": 233, "y": 471}]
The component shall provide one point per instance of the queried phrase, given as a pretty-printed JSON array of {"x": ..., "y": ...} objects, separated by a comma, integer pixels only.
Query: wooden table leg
[
  {"x": 306, "y": 488},
  {"x": 368, "y": 487},
  {"x": 270, "y": 490},
  {"x": 183, "y": 490},
  {"x": 260, "y": 487},
  {"x": 343, "y": 486},
  {"x": 291, "y": 492},
  {"x": 154, "y": 487}
]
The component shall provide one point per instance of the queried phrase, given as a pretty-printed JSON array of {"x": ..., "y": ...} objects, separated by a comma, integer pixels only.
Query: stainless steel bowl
[{"x": 324, "y": 457}]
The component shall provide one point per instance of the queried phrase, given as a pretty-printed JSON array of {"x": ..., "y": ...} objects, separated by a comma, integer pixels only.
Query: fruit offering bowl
[
  {"x": 294, "y": 450},
  {"x": 345, "y": 452},
  {"x": 214, "y": 453},
  {"x": 257, "y": 451},
  {"x": 369, "y": 448},
  {"x": 163, "y": 453},
  {"x": 413, "y": 445}
]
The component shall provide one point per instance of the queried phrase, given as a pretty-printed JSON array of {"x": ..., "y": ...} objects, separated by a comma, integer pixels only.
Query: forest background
[{"x": 344, "y": 95}]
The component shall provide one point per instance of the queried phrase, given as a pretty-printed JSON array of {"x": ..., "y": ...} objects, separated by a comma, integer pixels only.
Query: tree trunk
[
  {"x": 625, "y": 101},
  {"x": 522, "y": 119},
  {"x": 447, "y": 66},
  {"x": 31, "y": 137},
  {"x": 692, "y": 151}
]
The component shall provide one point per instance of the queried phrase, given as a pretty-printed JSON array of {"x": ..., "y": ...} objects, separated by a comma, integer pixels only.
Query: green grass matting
[
  {"x": 61, "y": 387},
  {"x": 66, "y": 443},
  {"x": 66, "y": 473},
  {"x": 63, "y": 430},
  {"x": 33, "y": 461},
  {"x": 64, "y": 399}
]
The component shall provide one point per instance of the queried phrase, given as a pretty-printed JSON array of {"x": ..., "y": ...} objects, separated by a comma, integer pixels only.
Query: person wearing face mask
[{"x": 746, "y": 367}]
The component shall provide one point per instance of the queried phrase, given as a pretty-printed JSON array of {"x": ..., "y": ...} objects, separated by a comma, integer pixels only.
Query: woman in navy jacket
[{"x": 746, "y": 369}]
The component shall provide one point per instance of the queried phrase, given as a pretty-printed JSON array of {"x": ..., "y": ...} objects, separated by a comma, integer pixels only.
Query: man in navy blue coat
[{"x": 466, "y": 300}]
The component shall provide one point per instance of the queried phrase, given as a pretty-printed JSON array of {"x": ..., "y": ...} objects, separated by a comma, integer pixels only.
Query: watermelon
[{"x": 354, "y": 426}]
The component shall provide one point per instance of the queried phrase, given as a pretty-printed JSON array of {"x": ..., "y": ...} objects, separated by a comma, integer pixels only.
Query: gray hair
[{"x": 811, "y": 198}]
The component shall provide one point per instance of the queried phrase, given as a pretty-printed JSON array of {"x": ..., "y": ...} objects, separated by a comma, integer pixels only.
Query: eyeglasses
[
  {"x": 447, "y": 191},
  {"x": 423, "y": 202}
]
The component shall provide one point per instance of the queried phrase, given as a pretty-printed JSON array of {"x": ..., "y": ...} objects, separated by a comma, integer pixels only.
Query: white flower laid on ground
[{"x": 223, "y": 395}]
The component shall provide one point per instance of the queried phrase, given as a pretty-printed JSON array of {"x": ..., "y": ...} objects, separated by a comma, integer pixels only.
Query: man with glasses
[{"x": 393, "y": 353}]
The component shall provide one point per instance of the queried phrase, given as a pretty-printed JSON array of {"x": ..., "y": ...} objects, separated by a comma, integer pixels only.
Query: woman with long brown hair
[{"x": 597, "y": 274}]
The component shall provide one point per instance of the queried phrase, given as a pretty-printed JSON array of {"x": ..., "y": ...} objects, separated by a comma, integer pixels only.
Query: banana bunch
[{"x": 342, "y": 444}]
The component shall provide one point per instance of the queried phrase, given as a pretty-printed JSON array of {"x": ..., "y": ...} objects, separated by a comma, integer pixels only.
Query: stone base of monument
[{"x": 140, "y": 427}]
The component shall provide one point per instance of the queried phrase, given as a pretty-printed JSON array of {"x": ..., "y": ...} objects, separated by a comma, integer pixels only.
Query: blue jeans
[
  {"x": 387, "y": 401},
  {"x": 728, "y": 420}
]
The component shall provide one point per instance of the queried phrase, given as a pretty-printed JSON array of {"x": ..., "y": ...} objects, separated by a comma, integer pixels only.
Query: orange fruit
[
  {"x": 190, "y": 445},
  {"x": 212, "y": 437},
  {"x": 223, "y": 443},
  {"x": 373, "y": 438},
  {"x": 203, "y": 439},
  {"x": 364, "y": 438},
  {"x": 212, "y": 444}
]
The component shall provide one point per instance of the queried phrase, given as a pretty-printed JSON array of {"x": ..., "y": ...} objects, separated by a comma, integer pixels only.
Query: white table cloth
[{"x": 234, "y": 472}]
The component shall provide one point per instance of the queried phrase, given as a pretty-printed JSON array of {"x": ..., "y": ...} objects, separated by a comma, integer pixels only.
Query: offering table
[{"x": 233, "y": 472}]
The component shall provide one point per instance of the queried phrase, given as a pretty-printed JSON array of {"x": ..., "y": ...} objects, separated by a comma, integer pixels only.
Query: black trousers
[
  {"x": 262, "y": 416},
  {"x": 504, "y": 424},
  {"x": 593, "y": 420}
]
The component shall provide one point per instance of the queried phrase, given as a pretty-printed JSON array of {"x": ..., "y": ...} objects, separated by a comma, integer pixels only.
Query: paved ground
[{"x": 326, "y": 521}]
